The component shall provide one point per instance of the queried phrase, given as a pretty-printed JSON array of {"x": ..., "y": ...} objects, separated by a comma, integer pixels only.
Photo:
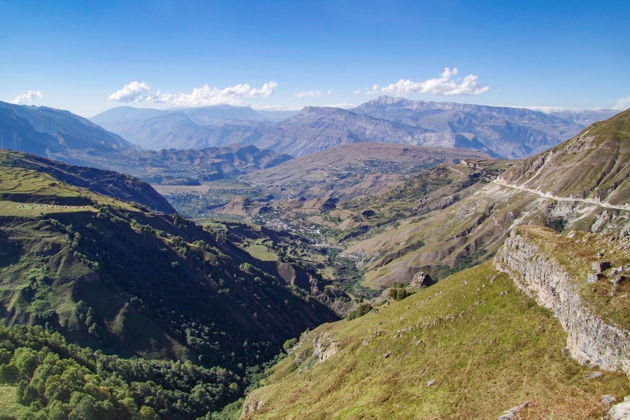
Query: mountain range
[
  {"x": 56, "y": 134},
  {"x": 500, "y": 131},
  {"x": 186, "y": 128},
  {"x": 63, "y": 136},
  {"x": 471, "y": 286}
]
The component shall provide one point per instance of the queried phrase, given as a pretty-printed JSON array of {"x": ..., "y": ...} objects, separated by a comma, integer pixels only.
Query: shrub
[
  {"x": 556, "y": 223},
  {"x": 398, "y": 293},
  {"x": 289, "y": 344},
  {"x": 360, "y": 311}
]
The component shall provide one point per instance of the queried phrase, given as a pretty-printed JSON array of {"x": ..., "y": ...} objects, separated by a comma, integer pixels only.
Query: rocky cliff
[{"x": 591, "y": 339}]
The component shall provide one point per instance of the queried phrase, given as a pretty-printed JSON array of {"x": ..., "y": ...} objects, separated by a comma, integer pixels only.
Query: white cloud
[
  {"x": 357, "y": 92},
  {"x": 445, "y": 85},
  {"x": 133, "y": 92},
  {"x": 28, "y": 97},
  {"x": 622, "y": 103},
  {"x": 205, "y": 95}
]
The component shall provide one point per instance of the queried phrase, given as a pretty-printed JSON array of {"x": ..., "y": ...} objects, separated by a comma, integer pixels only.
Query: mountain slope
[
  {"x": 593, "y": 165},
  {"x": 471, "y": 346},
  {"x": 508, "y": 132},
  {"x": 113, "y": 184},
  {"x": 55, "y": 134},
  {"x": 186, "y": 128},
  {"x": 115, "y": 118},
  {"x": 194, "y": 166},
  {"x": 178, "y": 130},
  {"x": 114, "y": 277},
  {"x": 349, "y": 170},
  {"x": 461, "y": 232},
  {"x": 585, "y": 117}
]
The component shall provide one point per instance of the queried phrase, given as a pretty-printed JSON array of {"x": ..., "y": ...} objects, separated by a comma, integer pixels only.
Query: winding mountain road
[{"x": 624, "y": 207}]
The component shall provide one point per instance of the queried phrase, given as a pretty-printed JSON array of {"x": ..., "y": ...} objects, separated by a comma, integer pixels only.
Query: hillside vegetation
[
  {"x": 44, "y": 377},
  {"x": 114, "y": 277},
  {"x": 471, "y": 346},
  {"x": 15, "y": 165}
]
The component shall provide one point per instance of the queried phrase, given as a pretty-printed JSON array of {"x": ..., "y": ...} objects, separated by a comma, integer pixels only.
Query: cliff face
[{"x": 590, "y": 340}]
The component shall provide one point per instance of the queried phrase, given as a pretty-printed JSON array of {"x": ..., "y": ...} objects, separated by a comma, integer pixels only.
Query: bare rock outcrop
[
  {"x": 250, "y": 405},
  {"x": 590, "y": 339},
  {"x": 421, "y": 279},
  {"x": 620, "y": 411}
]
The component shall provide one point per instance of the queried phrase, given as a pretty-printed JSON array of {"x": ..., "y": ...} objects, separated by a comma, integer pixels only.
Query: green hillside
[
  {"x": 114, "y": 277},
  {"x": 14, "y": 166},
  {"x": 46, "y": 377},
  {"x": 471, "y": 346}
]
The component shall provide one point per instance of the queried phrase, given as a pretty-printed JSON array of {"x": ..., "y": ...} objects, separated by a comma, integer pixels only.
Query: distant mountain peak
[
  {"x": 391, "y": 100},
  {"x": 321, "y": 109}
]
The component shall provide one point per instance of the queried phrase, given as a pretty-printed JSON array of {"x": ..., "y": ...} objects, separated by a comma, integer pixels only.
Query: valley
[
  {"x": 222, "y": 285},
  {"x": 314, "y": 210}
]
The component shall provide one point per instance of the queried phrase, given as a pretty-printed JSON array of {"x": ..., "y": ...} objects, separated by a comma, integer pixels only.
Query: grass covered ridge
[{"x": 486, "y": 346}]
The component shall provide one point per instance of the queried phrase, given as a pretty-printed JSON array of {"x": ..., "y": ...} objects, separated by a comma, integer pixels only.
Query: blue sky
[{"x": 77, "y": 54}]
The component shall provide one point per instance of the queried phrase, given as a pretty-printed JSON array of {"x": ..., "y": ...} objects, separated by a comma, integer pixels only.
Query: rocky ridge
[{"x": 590, "y": 339}]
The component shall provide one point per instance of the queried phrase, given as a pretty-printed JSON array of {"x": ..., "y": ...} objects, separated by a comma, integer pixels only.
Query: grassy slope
[
  {"x": 487, "y": 352},
  {"x": 30, "y": 193},
  {"x": 43, "y": 176}
]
